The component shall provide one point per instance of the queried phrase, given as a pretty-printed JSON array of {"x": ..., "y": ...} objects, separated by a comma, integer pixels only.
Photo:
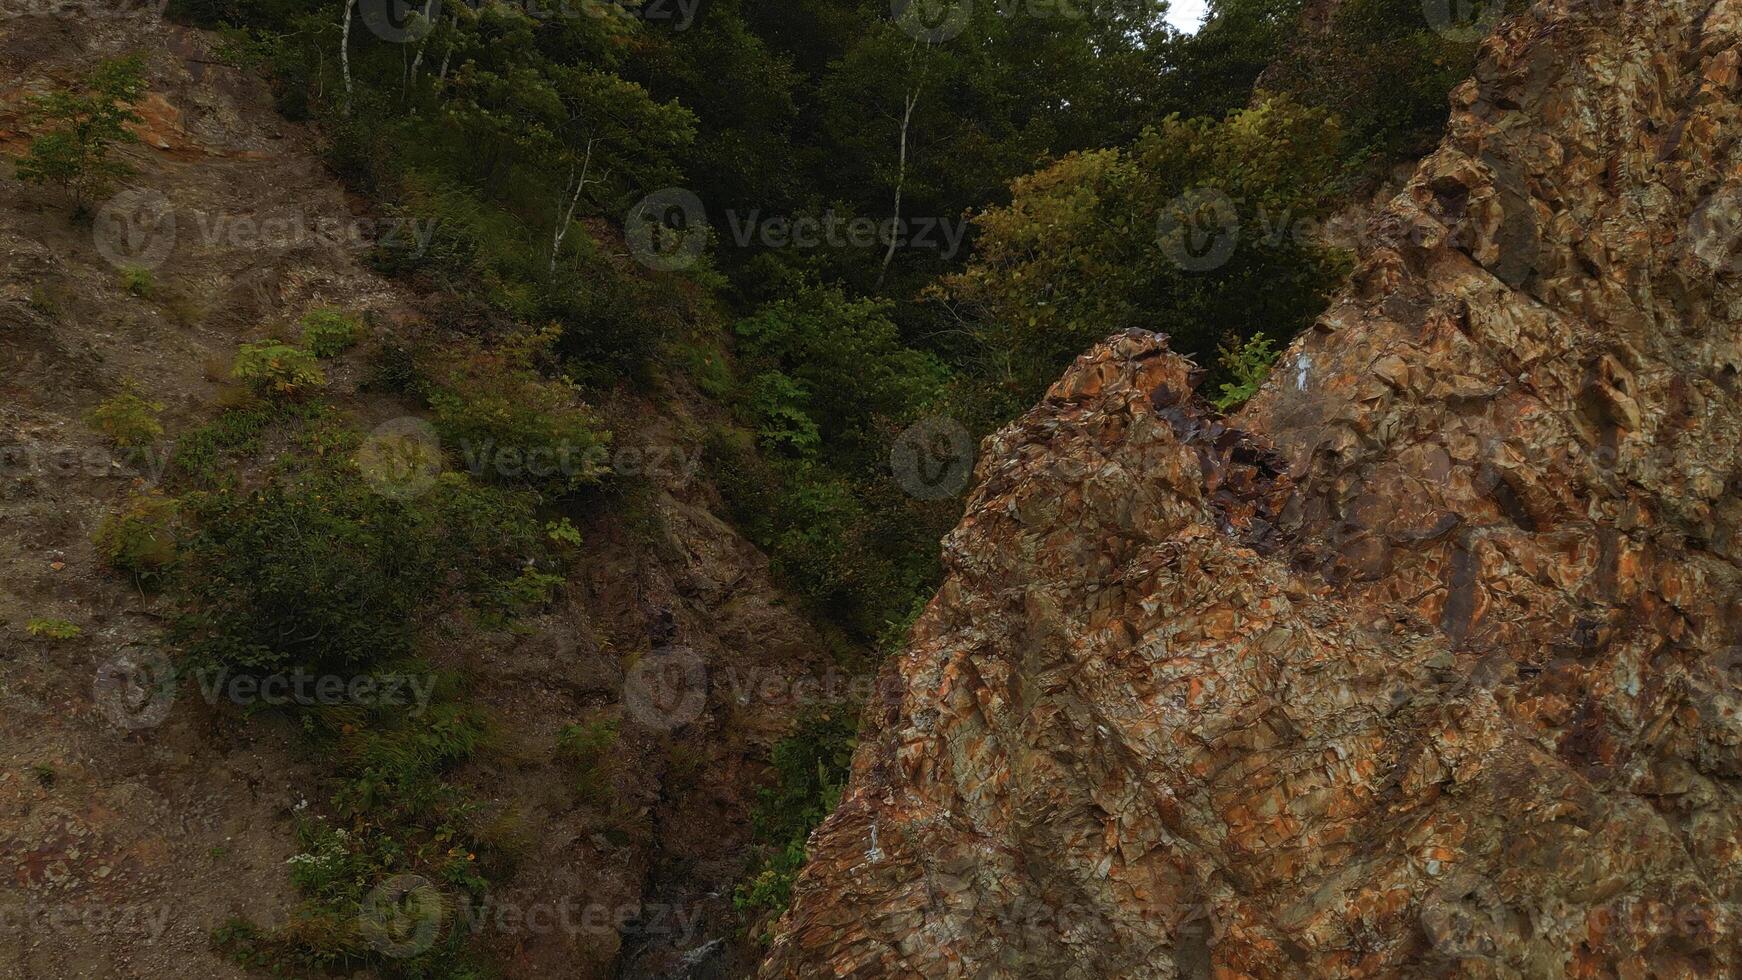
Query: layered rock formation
[{"x": 1427, "y": 669}]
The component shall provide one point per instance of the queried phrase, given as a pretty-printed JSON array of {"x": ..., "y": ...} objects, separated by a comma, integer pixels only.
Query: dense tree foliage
[
  {"x": 1101, "y": 241},
  {"x": 911, "y": 212}
]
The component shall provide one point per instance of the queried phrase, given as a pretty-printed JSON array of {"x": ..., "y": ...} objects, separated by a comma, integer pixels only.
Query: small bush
[
  {"x": 275, "y": 368},
  {"x": 139, "y": 281},
  {"x": 53, "y": 629},
  {"x": 201, "y": 454},
  {"x": 1248, "y": 364},
  {"x": 140, "y": 538},
  {"x": 810, "y": 768},
  {"x": 316, "y": 570},
  {"x": 513, "y": 424},
  {"x": 329, "y": 333},
  {"x": 127, "y": 419},
  {"x": 589, "y": 745},
  {"x": 87, "y": 123},
  {"x": 42, "y": 300}
]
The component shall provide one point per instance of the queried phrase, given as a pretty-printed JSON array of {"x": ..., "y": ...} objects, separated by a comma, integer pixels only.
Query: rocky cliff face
[{"x": 1427, "y": 668}]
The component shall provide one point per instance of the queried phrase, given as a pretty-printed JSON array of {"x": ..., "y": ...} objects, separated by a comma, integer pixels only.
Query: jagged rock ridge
[{"x": 1449, "y": 686}]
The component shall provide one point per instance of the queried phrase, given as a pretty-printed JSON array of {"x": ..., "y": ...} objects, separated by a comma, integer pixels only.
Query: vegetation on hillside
[{"x": 81, "y": 127}]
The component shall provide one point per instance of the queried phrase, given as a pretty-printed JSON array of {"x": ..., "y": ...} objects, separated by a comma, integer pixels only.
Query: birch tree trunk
[
  {"x": 345, "y": 52},
  {"x": 564, "y": 219},
  {"x": 900, "y": 179}
]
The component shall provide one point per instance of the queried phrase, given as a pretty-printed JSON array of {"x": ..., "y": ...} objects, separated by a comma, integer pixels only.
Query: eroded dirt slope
[{"x": 121, "y": 847}]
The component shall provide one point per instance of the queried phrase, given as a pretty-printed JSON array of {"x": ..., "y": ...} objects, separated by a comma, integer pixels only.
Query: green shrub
[
  {"x": 87, "y": 122},
  {"x": 397, "y": 813},
  {"x": 810, "y": 770},
  {"x": 314, "y": 569},
  {"x": 329, "y": 333},
  {"x": 1248, "y": 364},
  {"x": 127, "y": 419},
  {"x": 53, "y": 629},
  {"x": 780, "y": 407},
  {"x": 42, "y": 300},
  {"x": 139, "y": 281},
  {"x": 828, "y": 369},
  {"x": 140, "y": 539},
  {"x": 201, "y": 454},
  {"x": 510, "y": 422},
  {"x": 280, "y": 369},
  {"x": 589, "y": 745}
]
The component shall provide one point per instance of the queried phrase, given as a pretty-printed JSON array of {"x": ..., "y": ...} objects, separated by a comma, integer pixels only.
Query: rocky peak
[{"x": 1423, "y": 664}]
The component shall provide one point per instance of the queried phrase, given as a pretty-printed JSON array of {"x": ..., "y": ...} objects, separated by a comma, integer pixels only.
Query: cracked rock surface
[{"x": 1426, "y": 663}]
